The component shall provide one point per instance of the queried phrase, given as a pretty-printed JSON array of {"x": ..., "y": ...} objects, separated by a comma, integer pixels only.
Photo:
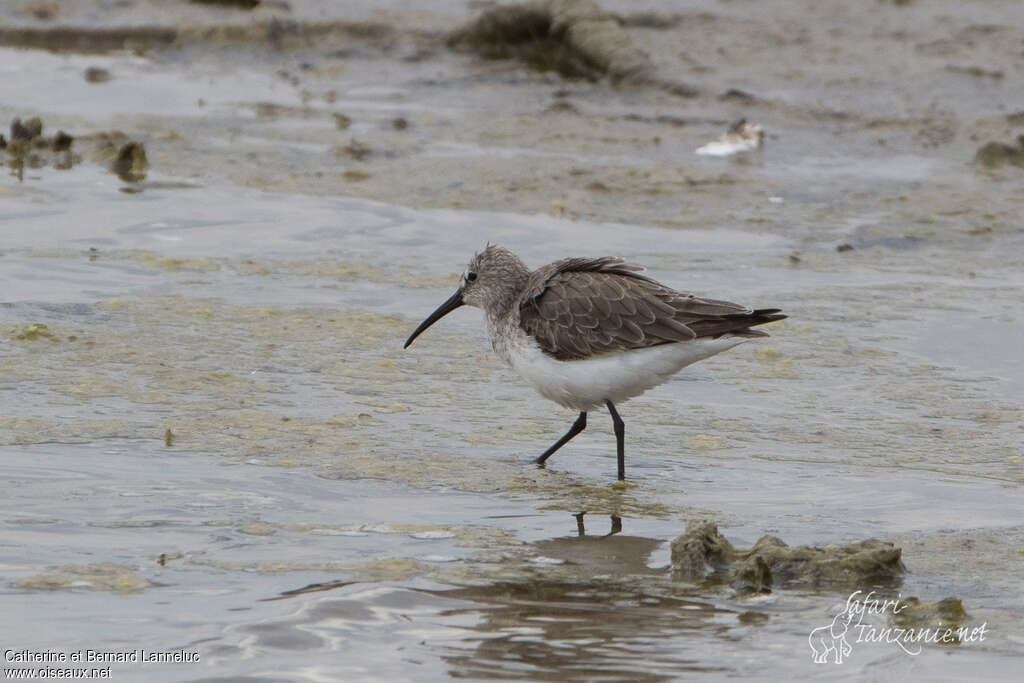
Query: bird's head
[{"x": 491, "y": 281}]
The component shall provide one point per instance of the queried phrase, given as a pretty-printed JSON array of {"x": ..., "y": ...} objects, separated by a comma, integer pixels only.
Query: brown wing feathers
[
  {"x": 737, "y": 323},
  {"x": 580, "y": 307}
]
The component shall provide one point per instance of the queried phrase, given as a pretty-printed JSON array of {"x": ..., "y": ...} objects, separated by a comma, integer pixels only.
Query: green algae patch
[
  {"x": 177, "y": 265},
  {"x": 567, "y": 494},
  {"x": 705, "y": 442},
  {"x": 354, "y": 175},
  {"x": 105, "y": 576},
  {"x": 225, "y": 372},
  {"x": 774, "y": 365},
  {"x": 24, "y": 431},
  {"x": 948, "y": 613},
  {"x": 386, "y": 569},
  {"x": 254, "y": 528},
  {"x": 523, "y": 431},
  {"x": 331, "y": 264},
  {"x": 34, "y": 332}
]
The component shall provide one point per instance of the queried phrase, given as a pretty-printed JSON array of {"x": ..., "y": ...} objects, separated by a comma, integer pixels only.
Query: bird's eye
[{"x": 470, "y": 276}]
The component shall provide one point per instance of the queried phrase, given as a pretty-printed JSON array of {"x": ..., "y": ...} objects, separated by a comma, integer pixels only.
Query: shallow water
[
  {"x": 309, "y": 448},
  {"x": 217, "y": 443}
]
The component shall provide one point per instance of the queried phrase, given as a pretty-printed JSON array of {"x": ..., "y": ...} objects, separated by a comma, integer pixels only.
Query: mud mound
[
  {"x": 996, "y": 154},
  {"x": 703, "y": 554},
  {"x": 576, "y": 38},
  {"x": 86, "y": 40},
  {"x": 29, "y": 148}
]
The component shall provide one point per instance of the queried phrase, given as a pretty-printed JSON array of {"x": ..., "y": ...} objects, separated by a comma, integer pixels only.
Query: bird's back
[{"x": 580, "y": 308}]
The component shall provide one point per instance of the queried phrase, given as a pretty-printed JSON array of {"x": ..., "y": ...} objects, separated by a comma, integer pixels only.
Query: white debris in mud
[
  {"x": 546, "y": 561},
  {"x": 741, "y": 137},
  {"x": 439, "y": 558},
  {"x": 432, "y": 535}
]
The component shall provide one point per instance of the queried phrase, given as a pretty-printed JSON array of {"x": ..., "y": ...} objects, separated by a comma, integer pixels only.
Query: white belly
[{"x": 616, "y": 376}]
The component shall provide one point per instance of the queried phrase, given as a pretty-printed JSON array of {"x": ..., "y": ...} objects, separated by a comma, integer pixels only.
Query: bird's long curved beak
[{"x": 444, "y": 309}]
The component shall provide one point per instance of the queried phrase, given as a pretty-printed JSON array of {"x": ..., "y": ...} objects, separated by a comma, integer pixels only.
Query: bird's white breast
[{"x": 615, "y": 376}]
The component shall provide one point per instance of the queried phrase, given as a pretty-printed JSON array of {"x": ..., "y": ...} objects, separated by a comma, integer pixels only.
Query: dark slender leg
[
  {"x": 620, "y": 438},
  {"x": 578, "y": 426},
  {"x": 581, "y": 530},
  {"x": 616, "y": 525}
]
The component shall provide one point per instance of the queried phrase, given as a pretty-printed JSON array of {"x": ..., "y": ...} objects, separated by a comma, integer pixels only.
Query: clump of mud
[
  {"x": 29, "y": 147},
  {"x": 996, "y": 154},
  {"x": 42, "y": 10},
  {"x": 703, "y": 554},
  {"x": 123, "y": 156},
  {"x": 96, "y": 74},
  {"x": 575, "y": 38},
  {"x": 131, "y": 163}
]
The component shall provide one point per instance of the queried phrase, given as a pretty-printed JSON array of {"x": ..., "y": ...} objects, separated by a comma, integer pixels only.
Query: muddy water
[{"x": 216, "y": 443}]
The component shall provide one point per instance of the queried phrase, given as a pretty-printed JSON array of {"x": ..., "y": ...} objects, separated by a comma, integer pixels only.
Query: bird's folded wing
[{"x": 577, "y": 308}]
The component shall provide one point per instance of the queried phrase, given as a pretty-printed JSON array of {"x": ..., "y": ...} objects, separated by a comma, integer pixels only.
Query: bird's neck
[
  {"x": 505, "y": 333},
  {"x": 504, "y": 310},
  {"x": 502, "y": 313}
]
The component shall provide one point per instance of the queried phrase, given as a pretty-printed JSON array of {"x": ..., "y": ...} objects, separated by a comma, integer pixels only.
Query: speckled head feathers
[{"x": 493, "y": 279}]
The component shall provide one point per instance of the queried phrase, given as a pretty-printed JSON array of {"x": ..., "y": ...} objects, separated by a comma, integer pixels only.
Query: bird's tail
[{"x": 738, "y": 324}]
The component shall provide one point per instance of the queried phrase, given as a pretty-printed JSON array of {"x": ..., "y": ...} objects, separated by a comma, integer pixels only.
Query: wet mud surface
[{"x": 211, "y": 438}]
